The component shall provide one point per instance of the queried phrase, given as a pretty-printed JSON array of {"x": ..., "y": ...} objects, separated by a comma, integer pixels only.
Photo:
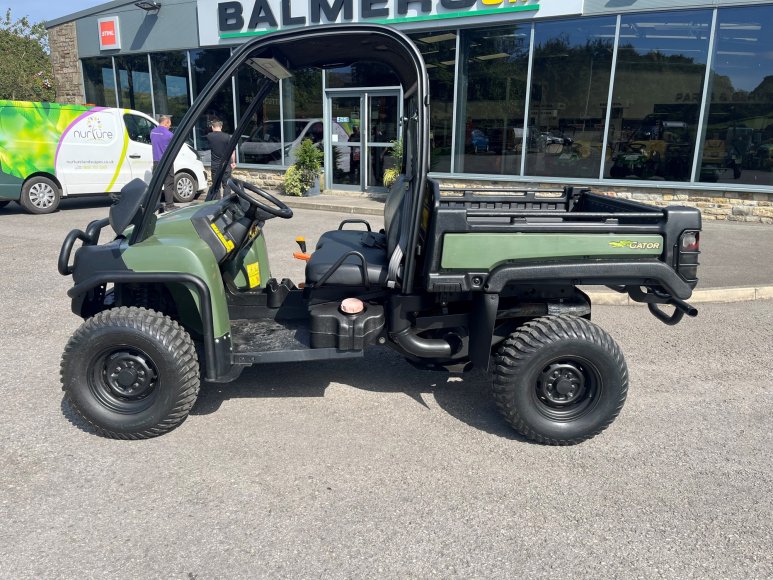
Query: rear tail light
[
  {"x": 690, "y": 242},
  {"x": 687, "y": 260}
]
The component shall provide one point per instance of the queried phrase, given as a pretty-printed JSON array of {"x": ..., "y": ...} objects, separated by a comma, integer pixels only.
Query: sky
[{"x": 40, "y": 10}]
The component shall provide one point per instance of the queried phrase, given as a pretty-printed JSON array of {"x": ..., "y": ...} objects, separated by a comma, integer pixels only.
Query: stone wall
[
  {"x": 714, "y": 205},
  {"x": 64, "y": 59},
  {"x": 268, "y": 180}
]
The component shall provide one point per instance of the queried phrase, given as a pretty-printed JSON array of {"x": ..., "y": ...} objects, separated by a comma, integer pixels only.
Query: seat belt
[
  {"x": 397, "y": 256},
  {"x": 393, "y": 272}
]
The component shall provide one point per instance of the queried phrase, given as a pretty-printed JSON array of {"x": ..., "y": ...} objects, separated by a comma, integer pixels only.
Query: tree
[{"x": 25, "y": 69}]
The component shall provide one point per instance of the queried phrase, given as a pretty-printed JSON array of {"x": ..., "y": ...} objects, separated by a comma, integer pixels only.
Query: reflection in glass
[
  {"x": 570, "y": 86},
  {"x": 261, "y": 142},
  {"x": 659, "y": 80},
  {"x": 383, "y": 114},
  {"x": 134, "y": 83},
  {"x": 345, "y": 140},
  {"x": 439, "y": 52},
  {"x": 493, "y": 91},
  {"x": 361, "y": 74},
  {"x": 738, "y": 136},
  {"x": 302, "y": 106},
  {"x": 98, "y": 81},
  {"x": 205, "y": 64},
  {"x": 170, "y": 84}
]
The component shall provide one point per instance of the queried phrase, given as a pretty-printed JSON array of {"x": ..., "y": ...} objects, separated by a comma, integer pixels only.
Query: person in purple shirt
[{"x": 160, "y": 138}]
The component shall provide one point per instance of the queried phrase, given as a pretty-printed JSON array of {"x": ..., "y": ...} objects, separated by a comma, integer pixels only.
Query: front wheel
[
  {"x": 185, "y": 187},
  {"x": 131, "y": 373},
  {"x": 560, "y": 380}
]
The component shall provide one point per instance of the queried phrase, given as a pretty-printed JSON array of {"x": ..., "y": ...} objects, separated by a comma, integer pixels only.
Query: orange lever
[{"x": 302, "y": 256}]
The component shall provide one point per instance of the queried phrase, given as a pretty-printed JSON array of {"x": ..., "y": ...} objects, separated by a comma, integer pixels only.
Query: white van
[
  {"x": 264, "y": 144},
  {"x": 49, "y": 151}
]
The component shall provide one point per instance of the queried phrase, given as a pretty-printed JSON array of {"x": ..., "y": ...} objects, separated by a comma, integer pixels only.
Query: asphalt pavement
[{"x": 371, "y": 468}]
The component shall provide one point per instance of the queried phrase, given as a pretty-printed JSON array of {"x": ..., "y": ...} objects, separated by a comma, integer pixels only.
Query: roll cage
[{"x": 323, "y": 47}]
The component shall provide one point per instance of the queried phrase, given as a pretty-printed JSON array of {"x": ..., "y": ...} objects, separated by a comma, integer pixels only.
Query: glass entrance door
[{"x": 362, "y": 127}]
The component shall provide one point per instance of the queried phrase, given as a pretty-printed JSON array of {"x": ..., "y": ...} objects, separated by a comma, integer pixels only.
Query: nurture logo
[{"x": 93, "y": 132}]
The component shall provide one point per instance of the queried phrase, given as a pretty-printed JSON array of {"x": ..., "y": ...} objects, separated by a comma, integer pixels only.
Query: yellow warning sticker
[
  {"x": 253, "y": 274},
  {"x": 229, "y": 245}
]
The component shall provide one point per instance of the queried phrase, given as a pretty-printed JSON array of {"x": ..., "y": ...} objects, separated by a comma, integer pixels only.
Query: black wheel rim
[
  {"x": 567, "y": 388},
  {"x": 123, "y": 379}
]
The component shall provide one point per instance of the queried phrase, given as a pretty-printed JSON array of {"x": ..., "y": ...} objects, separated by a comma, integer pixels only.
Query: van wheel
[
  {"x": 131, "y": 373},
  {"x": 560, "y": 380},
  {"x": 185, "y": 187},
  {"x": 40, "y": 195}
]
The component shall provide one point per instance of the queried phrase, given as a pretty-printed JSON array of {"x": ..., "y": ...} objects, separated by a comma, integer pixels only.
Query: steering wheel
[{"x": 250, "y": 194}]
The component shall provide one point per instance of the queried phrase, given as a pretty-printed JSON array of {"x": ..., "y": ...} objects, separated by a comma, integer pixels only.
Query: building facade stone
[{"x": 63, "y": 41}]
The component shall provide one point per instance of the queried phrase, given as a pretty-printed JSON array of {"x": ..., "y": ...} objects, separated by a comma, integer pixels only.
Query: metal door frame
[{"x": 365, "y": 94}]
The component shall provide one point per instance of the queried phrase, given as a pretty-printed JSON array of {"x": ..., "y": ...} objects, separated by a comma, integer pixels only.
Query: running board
[
  {"x": 268, "y": 341},
  {"x": 283, "y": 356}
]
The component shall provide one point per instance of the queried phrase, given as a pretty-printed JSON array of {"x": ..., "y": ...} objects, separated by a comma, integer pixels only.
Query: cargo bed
[{"x": 483, "y": 239}]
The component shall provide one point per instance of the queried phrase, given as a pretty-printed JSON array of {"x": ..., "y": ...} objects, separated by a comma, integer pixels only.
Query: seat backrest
[{"x": 393, "y": 212}]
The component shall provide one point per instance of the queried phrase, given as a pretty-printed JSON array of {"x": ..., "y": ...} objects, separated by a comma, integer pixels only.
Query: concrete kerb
[
  {"x": 365, "y": 206},
  {"x": 349, "y": 205},
  {"x": 709, "y": 295}
]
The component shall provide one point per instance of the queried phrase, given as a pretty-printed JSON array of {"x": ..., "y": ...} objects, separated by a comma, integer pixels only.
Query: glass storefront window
[
  {"x": 493, "y": 96},
  {"x": 262, "y": 140},
  {"x": 171, "y": 92},
  {"x": 738, "y": 133},
  {"x": 134, "y": 83},
  {"x": 205, "y": 63},
  {"x": 98, "y": 81},
  {"x": 361, "y": 74},
  {"x": 661, "y": 64},
  {"x": 570, "y": 86},
  {"x": 439, "y": 52},
  {"x": 302, "y": 111}
]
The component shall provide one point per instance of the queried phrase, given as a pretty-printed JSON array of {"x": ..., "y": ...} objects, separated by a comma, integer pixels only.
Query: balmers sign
[{"x": 221, "y": 20}]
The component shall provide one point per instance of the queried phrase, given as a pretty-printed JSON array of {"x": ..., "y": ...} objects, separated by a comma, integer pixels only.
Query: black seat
[
  {"x": 376, "y": 248},
  {"x": 333, "y": 245}
]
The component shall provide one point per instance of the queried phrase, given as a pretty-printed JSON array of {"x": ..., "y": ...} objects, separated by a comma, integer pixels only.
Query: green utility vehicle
[{"x": 456, "y": 279}]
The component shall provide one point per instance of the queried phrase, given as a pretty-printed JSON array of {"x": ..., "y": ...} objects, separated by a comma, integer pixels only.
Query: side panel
[
  {"x": 10, "y": 187},
  {"x": 481, "y": 251},
  {"x": 176, "y": 247},
  {"x": 29, "y": 135},
  {"x": 251, "y": 271},
  {"x": 91, "y": 155}
]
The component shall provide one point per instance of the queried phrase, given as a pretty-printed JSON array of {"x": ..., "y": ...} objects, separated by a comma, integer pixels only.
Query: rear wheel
[
  {"x": 131, "y": 373},
  {"x": 40, "y": 195},
  {"x": 185, "y": 187},
  {"x": 560, "y": 380}
]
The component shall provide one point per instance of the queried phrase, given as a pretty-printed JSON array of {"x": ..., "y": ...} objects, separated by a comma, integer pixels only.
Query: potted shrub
[
  {"x": 302, "y": 177},
  {"x": 391, "y": 173}
]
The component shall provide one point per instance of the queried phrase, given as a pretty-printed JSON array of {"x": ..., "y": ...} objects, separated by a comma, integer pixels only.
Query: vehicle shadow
[
  {"x": 73, "y": 417},
  {"x": 466, "y": 397}
]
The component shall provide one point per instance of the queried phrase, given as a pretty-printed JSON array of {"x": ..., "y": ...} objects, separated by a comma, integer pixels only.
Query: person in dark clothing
[
  {"x": 354, "y": 154},
  {"x": 160, "y": 137},
  {"x": 218, "y": 147}
]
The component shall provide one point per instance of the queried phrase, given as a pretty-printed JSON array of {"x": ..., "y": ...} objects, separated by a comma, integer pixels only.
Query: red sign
[{"x": 108, "y": 33}]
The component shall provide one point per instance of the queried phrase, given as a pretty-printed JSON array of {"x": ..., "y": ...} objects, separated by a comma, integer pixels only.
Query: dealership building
[{"x": 667, "y": 101}]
